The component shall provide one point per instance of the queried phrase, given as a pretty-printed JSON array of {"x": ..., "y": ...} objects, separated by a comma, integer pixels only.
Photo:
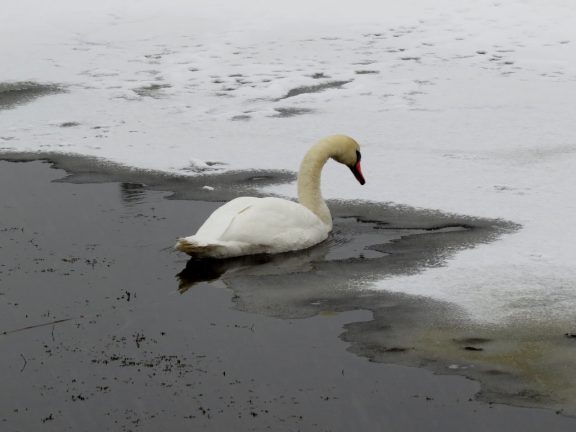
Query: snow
[{"x": 465, "y": 107}]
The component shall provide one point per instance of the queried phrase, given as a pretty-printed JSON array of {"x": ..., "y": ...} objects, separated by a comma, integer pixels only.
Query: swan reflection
[
  {"x": 356, "y": 250},
  {"x": 206, "y": 270}
]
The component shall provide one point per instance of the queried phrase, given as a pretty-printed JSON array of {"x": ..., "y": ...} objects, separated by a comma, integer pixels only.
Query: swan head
[{"x": 346, "y": 150}]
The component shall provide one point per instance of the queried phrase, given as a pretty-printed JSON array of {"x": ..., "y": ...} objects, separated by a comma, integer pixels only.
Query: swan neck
[{"x": 309, "y": 181}]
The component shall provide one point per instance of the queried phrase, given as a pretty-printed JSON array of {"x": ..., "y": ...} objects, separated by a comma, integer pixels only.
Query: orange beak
[{"x": 357, "y": 171}]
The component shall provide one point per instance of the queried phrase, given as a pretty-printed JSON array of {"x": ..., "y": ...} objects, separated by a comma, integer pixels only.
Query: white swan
[{"x": 249, "y": 225}]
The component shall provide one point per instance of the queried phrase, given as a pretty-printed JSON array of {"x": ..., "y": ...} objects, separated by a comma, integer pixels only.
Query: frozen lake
[
  {"x": 462, "y": 109},
  {"x": 465, "y": 115}
]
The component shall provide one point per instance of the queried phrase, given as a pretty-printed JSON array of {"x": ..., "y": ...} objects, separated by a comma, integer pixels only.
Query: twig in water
[
  {"x": 25, "y": 362},
  {"x": 36, "y": 325}
]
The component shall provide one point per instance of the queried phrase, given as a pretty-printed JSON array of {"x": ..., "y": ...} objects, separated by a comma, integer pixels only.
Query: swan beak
[{"x": 357, "y": 171}]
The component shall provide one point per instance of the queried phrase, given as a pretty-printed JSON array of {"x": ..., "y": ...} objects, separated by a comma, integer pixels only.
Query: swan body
[{"x": 250, "y": 225}]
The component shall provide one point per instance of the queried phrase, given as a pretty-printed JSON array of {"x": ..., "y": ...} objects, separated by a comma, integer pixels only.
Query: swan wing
[
  {"x": 275, "y": 224},
  {"x": 220, "y": 220}
]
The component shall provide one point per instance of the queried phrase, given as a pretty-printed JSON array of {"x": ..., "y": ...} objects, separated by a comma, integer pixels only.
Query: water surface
[{"x": 103, "y": 327}]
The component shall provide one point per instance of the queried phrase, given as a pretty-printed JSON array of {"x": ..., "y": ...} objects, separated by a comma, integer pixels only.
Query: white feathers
[{"x": 247, "y": 226}]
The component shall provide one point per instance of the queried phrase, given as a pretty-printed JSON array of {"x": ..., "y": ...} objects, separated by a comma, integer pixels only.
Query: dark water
[
  {"x": 13, "y": 94},
  {"x": 103, "y": 327}
]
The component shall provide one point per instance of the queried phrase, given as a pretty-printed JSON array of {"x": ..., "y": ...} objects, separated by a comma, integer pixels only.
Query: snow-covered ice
[{"x": 465, "y": 107}]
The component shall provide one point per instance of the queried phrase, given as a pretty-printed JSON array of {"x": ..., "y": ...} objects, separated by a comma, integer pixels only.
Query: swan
[{"x": 250, "y": 225}]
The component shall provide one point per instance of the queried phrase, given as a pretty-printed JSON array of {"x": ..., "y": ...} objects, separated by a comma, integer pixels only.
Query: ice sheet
[{"x": 467, "y": 108}]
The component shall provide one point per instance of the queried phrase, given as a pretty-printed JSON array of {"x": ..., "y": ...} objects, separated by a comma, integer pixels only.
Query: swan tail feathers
[{"x": 193, "y": 247}]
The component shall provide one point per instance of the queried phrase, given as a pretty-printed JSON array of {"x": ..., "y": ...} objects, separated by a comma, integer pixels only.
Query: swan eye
[{"x": 358, "y": 156}]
